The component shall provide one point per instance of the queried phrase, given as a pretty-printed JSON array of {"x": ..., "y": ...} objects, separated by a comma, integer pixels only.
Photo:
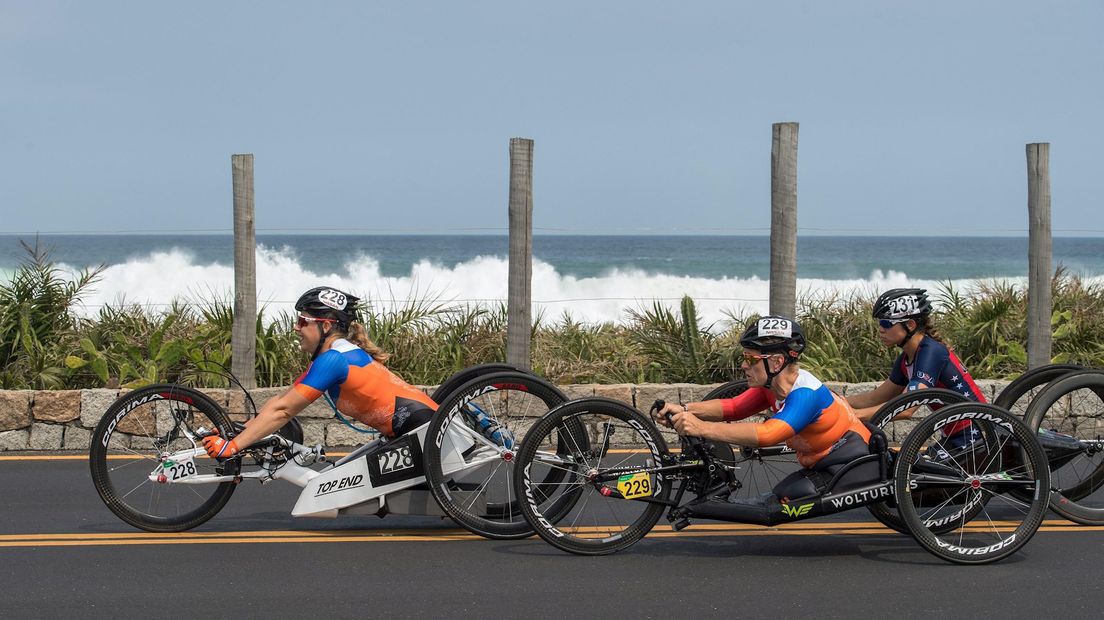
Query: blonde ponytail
[{"x": 359, "y": 336}]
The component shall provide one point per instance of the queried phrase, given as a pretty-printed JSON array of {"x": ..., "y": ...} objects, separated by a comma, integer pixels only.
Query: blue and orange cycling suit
[
  {"x": 365, "y": 390},
  {"x": 934, "y": 365},
  {"x": 811, "y": 419}
]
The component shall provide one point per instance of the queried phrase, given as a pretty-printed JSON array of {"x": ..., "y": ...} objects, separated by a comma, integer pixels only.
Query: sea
[{"x": 588, "y": 278}]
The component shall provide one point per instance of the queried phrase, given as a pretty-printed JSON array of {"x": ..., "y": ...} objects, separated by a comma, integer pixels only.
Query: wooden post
[
  {"x": 1039, "y": 254},
  {"x": 783, "y": 242},
  {"x": 243, "y": 340},
  {"x": 519, "y": 305}
]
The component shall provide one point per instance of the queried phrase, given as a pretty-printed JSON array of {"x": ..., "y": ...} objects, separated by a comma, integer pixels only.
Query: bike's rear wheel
[
  {"x": 992, "y": 475},
  {"x": 1073, "y": 405},
  {"x": 132, "y": 439},
  {"x": 1017, "y": 396},
  {"x": 618, "y": 454},
  {"x": 460, "y": 377},
  {"x": 474, "y": 485},
  {"x": 889, "y": 419}
]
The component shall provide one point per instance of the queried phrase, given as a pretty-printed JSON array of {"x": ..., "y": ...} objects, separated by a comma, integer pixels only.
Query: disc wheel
[
  {"x": 131, "y": 444},
  {"x": 610, "y": 472},
  {"x": 987, "y": 474},
  {"x": 891, "y": 418},
  {"x": 470, "y": 470},
  {"x": 1068, "y": 416}
]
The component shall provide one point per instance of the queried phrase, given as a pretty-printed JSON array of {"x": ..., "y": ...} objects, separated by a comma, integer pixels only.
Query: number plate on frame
[
  {"x": 398, "y": 460},
  {"x": 636, "y": 485},
  {"x": 177, "y": 469}
]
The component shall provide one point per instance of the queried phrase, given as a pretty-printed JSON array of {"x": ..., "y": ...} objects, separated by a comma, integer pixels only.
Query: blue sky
[{"x": 648, "y": 117}]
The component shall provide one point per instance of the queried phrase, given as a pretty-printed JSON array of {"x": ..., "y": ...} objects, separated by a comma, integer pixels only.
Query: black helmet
[
  {"x": 902, "y": 303},
  {"x": 329, "y": 303},
  {"x": 774, "y": 334}
]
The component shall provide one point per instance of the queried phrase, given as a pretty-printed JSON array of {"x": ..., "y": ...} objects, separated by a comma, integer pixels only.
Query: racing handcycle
[
  {"x": 618, "y": 477},
  {"x": 150, "y": 469},
  {"x": 1069, "y": 421}
]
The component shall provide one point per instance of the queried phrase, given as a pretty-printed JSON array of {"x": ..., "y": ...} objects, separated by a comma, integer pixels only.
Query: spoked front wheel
[
  {"x": 471, "y": 445},
  {"x": 610, "y": 473},
  {"x": 147, "y": 469},
  {"x": 992, "y": 475},
  {"x": 896, "y": 421}
]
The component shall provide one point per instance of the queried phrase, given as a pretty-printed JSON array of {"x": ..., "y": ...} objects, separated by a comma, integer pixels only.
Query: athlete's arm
[
  {"x": 748, "y": 403},
  {"x": 868, "y": 403},
  {"x": 273, "y": 415}
]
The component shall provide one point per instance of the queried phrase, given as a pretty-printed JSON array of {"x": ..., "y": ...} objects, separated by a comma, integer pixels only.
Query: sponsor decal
[
  {"x": 977, "y": 550},
  {"x": 912, "y": 402},
  {"x": 974, "y": 415},
  {"x": 455, "y": 411},
  {"x": 131, "y": 406},
  {"x": 796, "y": 511},
  {"x": 342, "y": 484},
  {"x": 544, "y": 523},
  {"x": 859, "y": 498}
]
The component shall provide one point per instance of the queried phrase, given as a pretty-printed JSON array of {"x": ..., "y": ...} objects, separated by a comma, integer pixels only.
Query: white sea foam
[{"x": 160, "y": 277}]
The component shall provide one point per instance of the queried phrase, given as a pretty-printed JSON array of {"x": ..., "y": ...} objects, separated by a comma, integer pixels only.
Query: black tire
[
  {"x": 128, "y": 444},
  {"x": 600, "y": 521},
  {"x": 758, "y": 470},
  {"x": 1076, "y": 477},
  {"x": 896, "y": 430},
  {"x": 1017, "y": 396},
  {"x": 479, "y": 494},
  {"x": 461, "y": 377},
  {"x": 1015, "y": 460}
]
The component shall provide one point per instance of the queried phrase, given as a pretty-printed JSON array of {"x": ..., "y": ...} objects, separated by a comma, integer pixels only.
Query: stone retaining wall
[{"x": 64, "y": 420}]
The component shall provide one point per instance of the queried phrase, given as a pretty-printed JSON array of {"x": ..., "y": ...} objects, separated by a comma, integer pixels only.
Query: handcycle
[
  {"x": 1058, "y": 394},
  {"x": 150, "y": 470},
  {"x": 1075, "y": 451},
  {"x": 620, "y": 478}
]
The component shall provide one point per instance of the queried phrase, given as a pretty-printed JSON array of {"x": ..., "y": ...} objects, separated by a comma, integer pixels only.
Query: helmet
[
  {"x": 326, "y": 302},
  {"x": 774, "y": 334},
  {"x": 902, "y": 303}
]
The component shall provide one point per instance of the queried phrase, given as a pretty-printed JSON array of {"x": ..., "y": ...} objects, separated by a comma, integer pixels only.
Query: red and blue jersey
[
  {"x": 811, "y": 419},
  {"x": 934, "y": 365},
  {"x": 361, "y": 387}
]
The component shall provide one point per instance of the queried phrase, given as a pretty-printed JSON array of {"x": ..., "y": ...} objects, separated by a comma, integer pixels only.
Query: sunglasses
[
  {"x": 751, "y": 358},
  {"x": 889, "y": 323},
  {"x": 303, "y": 320}
]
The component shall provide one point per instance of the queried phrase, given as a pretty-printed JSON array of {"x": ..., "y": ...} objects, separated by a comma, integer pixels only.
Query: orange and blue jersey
[
  {"x": 811, "y": 419},
  {"x": 361, "y": 387}
]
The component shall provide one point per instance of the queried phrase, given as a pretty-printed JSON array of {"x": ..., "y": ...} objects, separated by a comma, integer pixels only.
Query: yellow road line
[{"x": 315, "y": 536}]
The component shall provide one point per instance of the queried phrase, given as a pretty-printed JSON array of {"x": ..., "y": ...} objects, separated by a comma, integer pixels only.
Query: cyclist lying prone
[
  {"x": 819, "y": 425},
  {"x": 346, "y": 366}
]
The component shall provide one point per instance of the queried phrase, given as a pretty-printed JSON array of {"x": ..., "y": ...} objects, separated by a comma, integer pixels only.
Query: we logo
[{"x": 796, "y": 511}]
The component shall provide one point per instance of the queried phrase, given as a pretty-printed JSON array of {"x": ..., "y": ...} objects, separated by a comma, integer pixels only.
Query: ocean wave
[{"x": 157, "y": 279}]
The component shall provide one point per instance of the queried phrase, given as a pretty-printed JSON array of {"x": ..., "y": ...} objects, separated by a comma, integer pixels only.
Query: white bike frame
[{"x": 375, "y": 479}]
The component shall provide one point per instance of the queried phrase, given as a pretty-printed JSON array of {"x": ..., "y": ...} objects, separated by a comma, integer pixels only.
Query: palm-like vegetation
[{"x": 44, "y": 345}]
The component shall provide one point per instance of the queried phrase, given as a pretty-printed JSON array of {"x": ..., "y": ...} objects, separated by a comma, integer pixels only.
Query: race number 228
[{"x": 396, "y": 460}]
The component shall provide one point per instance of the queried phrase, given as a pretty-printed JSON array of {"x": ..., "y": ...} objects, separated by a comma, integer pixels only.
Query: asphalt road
[{"x": 64, "y": 553}]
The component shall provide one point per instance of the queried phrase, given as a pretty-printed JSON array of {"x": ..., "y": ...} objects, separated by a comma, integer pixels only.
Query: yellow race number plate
[{"x": 635, "y": 485}]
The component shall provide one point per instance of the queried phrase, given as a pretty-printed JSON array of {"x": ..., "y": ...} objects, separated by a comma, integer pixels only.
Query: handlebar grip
[{"x": 658, "y": 405}]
